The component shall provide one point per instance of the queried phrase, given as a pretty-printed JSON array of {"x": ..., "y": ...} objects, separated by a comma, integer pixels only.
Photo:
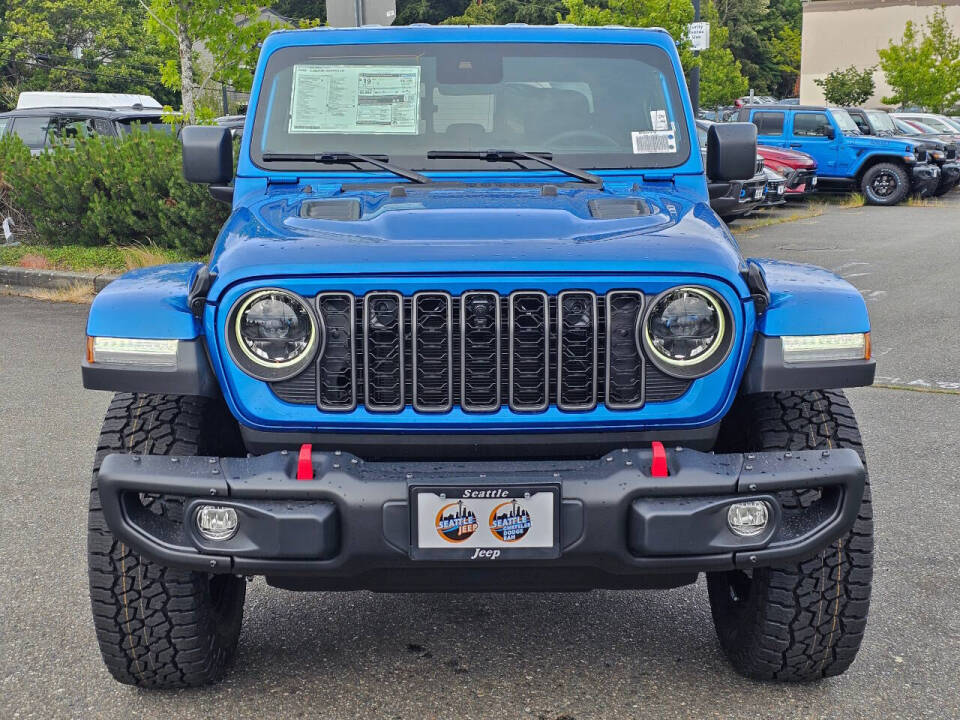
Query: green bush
[{"x": 104, "y": 191}]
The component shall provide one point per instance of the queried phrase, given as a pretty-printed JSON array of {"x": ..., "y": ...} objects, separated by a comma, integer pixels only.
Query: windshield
[
  {"x": 881, "y": 121},
  {"x": 937, "y": 125},
  {"x": 845, "y": 122},
  {"x": 402, "y": 101}
]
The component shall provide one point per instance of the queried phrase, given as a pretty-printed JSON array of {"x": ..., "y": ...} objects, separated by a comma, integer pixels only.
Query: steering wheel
[{"x": 559, "y": 138}]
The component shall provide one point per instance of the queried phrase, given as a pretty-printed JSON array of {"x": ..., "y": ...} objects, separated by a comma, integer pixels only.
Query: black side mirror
[
  {"x": 207, "y": 154},
  {"x": 829, "y": 132},
  {"x": 731, "y": 151}
]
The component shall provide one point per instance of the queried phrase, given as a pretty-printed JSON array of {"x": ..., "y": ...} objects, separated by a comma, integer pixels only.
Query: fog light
[
  {"x": 216, "y": 522},
  {"x": 748, "y": 518}
]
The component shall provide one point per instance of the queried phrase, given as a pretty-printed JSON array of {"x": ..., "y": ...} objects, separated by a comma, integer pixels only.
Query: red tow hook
[
  {"x": 305, "y": 462},
  {"x": 658, "y": 468}
]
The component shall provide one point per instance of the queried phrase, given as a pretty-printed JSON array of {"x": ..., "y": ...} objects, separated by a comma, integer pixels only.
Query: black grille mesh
[{"x": 481, "y": 351}]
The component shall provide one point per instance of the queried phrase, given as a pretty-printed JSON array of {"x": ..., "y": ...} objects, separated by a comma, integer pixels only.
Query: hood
[
  {"x": 892, "y": 144},
  {"x": 790, "y": 158},
  {"x": 472, "y": 230}
]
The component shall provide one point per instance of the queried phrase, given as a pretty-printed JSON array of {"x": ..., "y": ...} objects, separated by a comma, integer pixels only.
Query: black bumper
[
  {"x": 924, "y": 178},
  {"x": 350, "y": 527},
  {"x": 801, "y": 182}
]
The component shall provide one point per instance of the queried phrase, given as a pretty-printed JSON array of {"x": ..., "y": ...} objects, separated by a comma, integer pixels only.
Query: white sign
[
  {"x": 352, "y": 99},
  {"x": 698, "y": 34}
]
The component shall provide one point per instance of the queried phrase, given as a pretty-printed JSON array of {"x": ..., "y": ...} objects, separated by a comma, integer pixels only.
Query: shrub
[{"x": 104, "y": 191}]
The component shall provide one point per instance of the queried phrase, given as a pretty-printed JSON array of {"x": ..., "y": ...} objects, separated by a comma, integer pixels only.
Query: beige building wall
[{"x": 840, "y": 33}]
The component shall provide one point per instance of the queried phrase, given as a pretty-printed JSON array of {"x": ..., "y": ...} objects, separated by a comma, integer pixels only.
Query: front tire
[
  {"x": 885, "y": 184},
  {"x": 157, "y": 626},
  {"x": 804, "y": 621}
]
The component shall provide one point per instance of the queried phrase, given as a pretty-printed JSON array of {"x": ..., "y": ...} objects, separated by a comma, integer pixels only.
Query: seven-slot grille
[{"x": 480, "y": 351}]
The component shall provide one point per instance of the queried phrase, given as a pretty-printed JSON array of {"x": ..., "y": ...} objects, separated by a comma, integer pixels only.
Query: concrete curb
[{"x": 18, "y": 277}]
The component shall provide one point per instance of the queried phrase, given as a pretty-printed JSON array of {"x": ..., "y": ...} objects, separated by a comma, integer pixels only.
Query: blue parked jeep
[
  {"x": 885, "y": 170},
  {"x": 472, "y": 326}
]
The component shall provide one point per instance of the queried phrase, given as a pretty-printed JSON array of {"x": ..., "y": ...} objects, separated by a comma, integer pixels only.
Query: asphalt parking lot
[{"x": 551, "y": 656}]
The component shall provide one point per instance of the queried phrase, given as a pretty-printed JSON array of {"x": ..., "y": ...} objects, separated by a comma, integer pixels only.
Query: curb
[{"x": 18, "y": 277}]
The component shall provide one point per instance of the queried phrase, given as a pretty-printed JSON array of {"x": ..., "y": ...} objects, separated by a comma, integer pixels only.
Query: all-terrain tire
[
  {"x": 157, "y": 626},
  {"x": 885, "y": 184},
  {"x": 805, "y": 621}
]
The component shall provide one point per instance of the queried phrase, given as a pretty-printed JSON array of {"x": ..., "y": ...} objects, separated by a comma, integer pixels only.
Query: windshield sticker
[
  {"x": 653, "y": 142},
  {"x": 352, "y": 99},
  {"x": 658, "y": 119}
]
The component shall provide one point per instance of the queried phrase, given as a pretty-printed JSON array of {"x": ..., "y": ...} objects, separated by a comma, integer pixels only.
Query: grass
[
  {"x": 811, "y": 212},
  {"x": 845, "y": 201},
  {"x": 914, "y": 201},
  {"x": 81, "y": 293},
  {"x": 104, "y": 259}
]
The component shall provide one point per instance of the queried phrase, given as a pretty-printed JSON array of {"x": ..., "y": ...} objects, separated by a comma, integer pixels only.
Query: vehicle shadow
[{"x": 550, "y": 655}]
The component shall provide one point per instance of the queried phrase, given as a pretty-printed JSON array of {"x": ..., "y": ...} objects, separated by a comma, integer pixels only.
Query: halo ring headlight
[
  {"x": 686, "y": 331},
  {"x": 273, "y": 334}
]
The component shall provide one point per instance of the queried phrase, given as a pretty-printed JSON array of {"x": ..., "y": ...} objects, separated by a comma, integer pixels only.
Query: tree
[
  {"x": 924, "y": 67},
  {"x": 78, "y": 45},
  {"x": 720, "y": 73},
  {"x": 847, "y": 87},
  {"x": 302, "y": 9},
  {"x": 429, "y": 11},
  {"x": 499, "y": 12},
  {"x": 227, "y": 30}
]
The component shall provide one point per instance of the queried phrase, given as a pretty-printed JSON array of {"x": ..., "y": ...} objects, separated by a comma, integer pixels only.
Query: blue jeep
[
  {"x": 885, "y": 170},
  {"x": 473, "y": 326}
]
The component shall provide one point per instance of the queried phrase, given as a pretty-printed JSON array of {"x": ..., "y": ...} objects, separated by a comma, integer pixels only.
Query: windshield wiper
[
  {"x": 347, "y": 158},
  {"x": 544, "y": 158}
]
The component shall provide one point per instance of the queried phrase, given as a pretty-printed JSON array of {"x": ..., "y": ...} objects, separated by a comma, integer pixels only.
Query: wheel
[
  {"x": 885, "y": 184},
  {"x": 157, "y": 626},
  {"x": 804, "y": 621}
]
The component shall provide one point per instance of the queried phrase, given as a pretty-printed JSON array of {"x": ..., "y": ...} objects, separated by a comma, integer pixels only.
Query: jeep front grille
[{"x": 480, "y": 351}]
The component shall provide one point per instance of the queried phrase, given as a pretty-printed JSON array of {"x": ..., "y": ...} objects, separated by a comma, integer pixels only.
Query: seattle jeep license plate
[{"x": 485, "y": 522}]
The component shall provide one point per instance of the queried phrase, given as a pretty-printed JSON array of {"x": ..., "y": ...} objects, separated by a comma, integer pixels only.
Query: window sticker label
[
  {"x": 355, "y": 99},
  {"x": 654, "y": 141},
  {"x": 658, "y": 119}
]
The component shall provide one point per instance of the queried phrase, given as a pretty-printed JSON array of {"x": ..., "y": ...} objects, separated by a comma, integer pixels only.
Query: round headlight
[
  {"x": 686, "y": 332},
  {"x": 273, "y": 334}
]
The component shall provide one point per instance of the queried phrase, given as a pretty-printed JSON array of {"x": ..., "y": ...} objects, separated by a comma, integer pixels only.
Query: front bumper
[
  {"x": 949, "y": 174},
  {"x": 350, "y": 526},
  {"x": 801, "y": 182},
  {"x": 924, "y": 178}
]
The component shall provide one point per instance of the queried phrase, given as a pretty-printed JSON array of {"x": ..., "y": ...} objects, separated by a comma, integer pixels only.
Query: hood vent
[
  {"x": 618, "y": 208},
  {"x": 343, "y": 209}
]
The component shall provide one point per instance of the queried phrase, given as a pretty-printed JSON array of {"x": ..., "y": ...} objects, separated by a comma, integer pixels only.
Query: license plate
[
  {"x": 758, "y": 193},
  {"x": 485, "y": 522}
]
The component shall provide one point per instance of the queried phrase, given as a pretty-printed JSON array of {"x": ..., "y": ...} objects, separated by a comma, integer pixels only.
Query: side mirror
[
  {"x": 731, "y": 151},
  {"x": 830, "y": 132},
  {"x": 207, "y": 154}
]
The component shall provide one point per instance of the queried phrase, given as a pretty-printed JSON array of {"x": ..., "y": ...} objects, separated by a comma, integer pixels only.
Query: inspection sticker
[
  {"x": 654, "y": 141},
  {"x": 658, "y": 119}
]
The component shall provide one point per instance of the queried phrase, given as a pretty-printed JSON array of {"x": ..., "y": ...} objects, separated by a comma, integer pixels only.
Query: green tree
[
  {"x": 302, "y": 9},
  {"x": 924, "y": 67},
  {"x": 213, "y": 40},
  {"x": 721, "y": 75},
  {"x": 721, "y": 78},
  {"x": 429, "y": 11},
  {"x": 490, "y": 12},
  {"x": 78, "y": 45},
  {"x": 847, "y": 87}
]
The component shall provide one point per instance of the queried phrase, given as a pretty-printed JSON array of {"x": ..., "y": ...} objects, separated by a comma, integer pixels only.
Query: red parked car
[{"x": 798, "y": 168}]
